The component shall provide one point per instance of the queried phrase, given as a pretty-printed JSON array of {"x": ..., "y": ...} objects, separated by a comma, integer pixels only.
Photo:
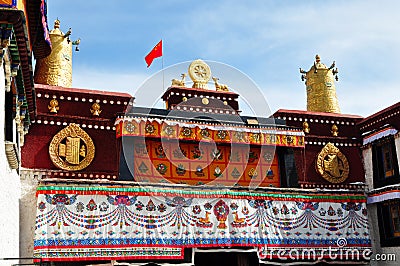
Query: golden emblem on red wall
[
  {"x": 71, "y": 149},
  {"x": 332, "y": 164}
]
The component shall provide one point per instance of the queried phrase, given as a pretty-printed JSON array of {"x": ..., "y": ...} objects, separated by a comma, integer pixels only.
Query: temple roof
[{"x": 204, "y": 117}]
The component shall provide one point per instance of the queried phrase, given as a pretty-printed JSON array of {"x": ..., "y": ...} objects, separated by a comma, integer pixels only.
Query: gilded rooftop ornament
[
  {"x": 306, "y": 127},
  {"x": 219, "y": 87},
  {"x": 320, "y": 84},
  {"x": 200, "y": 74},
  {"x": 53, "y": 106},
  {"x": 56, "y": 69},
  {"x": 335, "y": 130},
  {"x": 179, "y": 83},
  {"x": 95, "y": 110}
]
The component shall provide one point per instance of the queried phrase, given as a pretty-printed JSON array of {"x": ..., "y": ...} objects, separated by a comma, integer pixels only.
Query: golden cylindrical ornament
[{"x": 56, "y": 69}]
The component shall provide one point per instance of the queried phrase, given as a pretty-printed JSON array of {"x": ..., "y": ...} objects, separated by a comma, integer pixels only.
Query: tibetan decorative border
[
  {"x": 156, "y": 128},
  {"x": 103, "y": 222}
]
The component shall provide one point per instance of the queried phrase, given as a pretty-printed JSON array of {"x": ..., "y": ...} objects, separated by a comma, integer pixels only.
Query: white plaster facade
[
  {"x": 29, "y": 183},
  {"x": 9, "y": 191},
  {"x": 377, "y": 249}
]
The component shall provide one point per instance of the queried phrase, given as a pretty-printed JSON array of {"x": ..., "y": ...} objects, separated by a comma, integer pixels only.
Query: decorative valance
[
  {"x": 255, "y": 135},
  {"x": 383, "y": 194},
  {"x": 379, "y": 134},
  {"x": 114, "y": 222}
]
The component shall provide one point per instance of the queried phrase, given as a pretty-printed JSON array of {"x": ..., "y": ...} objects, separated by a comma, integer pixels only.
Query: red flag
[{"x": 156, "y": 52}]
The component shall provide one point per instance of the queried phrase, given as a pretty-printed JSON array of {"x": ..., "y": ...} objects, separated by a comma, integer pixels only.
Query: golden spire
[
  {"x": 56, "y": 69},
  {"x": 321, "y": 91}
]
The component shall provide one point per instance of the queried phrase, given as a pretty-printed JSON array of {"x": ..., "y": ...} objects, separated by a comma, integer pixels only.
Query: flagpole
[{"x": 162, "y": 69}]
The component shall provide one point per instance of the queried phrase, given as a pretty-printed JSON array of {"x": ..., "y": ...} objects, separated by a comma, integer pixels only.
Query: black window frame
[
  {"x": 378, "y": 160},
  {"x": 388, "y": 235}
]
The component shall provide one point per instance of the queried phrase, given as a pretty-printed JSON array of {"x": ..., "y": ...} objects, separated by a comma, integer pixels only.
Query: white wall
[
  {"x": 372, "y": 210},
  {"x": 9, "y": 193}
]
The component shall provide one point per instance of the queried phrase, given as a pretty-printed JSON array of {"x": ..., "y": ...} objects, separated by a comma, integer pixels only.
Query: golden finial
[
  {"x": 335, "y": 131},
  {"x": 53, "y": 106},
  {"x": 320, "y": 86},
  {"x": 95, "y": 110},
  {"x": 56, "y": 24},
  {"x": 306, "y": 127}
]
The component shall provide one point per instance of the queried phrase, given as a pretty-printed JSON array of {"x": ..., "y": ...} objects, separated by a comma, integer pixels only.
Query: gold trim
[
  {"x": 53, "y": 106},
  {"x": 332, "y": 164},
  {"x": 67, "y": 151}
]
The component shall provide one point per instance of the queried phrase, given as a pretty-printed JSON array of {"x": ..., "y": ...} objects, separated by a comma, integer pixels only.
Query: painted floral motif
[
  {"x": 331, "y": 211},
  {"x": 217, "y": 172},
  {"x": 143, "y": 168},
  {"x": 221, "y": 134},
  {"x": 364, "y": 211},
  {"x": 204, "y": 133},
  {"x": 289, "y": 139},
  {"x": 130, "y": 127},
  {"x": 161, "y": 207},
  {"x": 207, "y": 206},
  {"x": 42, "y": 206},
  {"x": 91, "y": 206},
  {"x": 121, "y": 200},
  {"x": 150, "y": 129},
  {"x": 270, "y": 174},
  {"x": 103, "y": 207},
  {"x": 253, "y": 157},
  {"x": 255, "y": 137},
  {"x": 159, "y": 150},
  {"x": 150, "y": 206},
  {"x": 234, "y": 206},
  {"x": 216, "y": 155},
  {"x": 139, "y": 206},
  {"x": 80, "y": 207},
  {"x": 268, "y": 156},
  {"x": 240, "y": 136},
  {"x": 197, "y": 153},
  {"x": 196, "y": 209},
  {"x": 162, "y": 168},
  {"x": 284, "y": 210},
  {"x": 252, "y": 173},
  {"x": 169, "y": 130},
  {"x": 199, "y": 171},
  {"x": 180, "y": 170},
  {"x": 221, "y": 211},
  {"x": 235, "y": 173},
  {"x": 186, "y": 132}
]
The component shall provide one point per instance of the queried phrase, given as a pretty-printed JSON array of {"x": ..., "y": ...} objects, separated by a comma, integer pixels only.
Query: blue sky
[{"x": 266, "y": 40}]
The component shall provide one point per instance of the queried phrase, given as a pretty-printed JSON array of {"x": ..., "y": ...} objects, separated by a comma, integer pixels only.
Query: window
[
  {"x": 389, "y": 223},
  {"x": 395, "y": 218},
  {"x": 287, "y": 162},
  {"x": 385, "y": 164}
]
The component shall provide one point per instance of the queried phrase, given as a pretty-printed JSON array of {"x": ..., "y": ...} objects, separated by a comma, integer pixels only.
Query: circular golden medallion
[
  {"x": 205, "y": 101},
  {"x": 71, "y": 149},
  {"x": 332, "y": 164},
  {"x": 200, "y": 73}
]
